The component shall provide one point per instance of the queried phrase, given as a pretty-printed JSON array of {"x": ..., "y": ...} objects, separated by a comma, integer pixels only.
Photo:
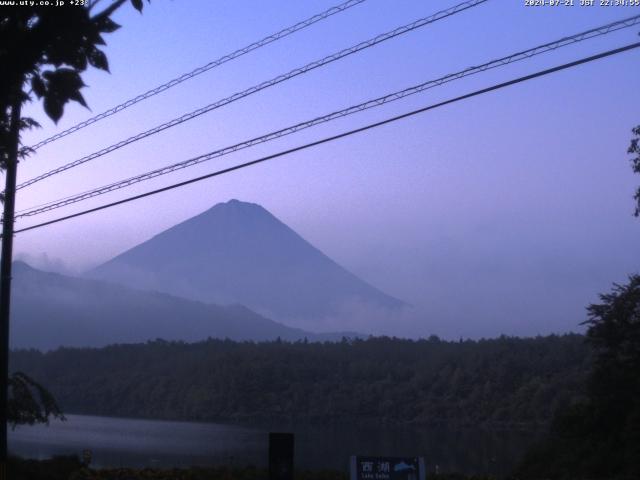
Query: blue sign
[{"x": 387, "y": 468}]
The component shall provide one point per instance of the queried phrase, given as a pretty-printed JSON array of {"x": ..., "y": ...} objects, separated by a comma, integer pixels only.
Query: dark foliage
[
  {"x": 600, "y": 437},
  {"x": 506, "y": 382},
  {"x": 634, "y": 149},
  {"x": 70, "y": 468},
  {"x": 29, "y": 402},
  {"x": 44, "y": 51},
  {"x": 57, "y": 468}
]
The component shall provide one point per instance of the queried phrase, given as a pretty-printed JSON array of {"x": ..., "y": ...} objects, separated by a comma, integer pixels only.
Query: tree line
[{"x": 504, "y": 382}]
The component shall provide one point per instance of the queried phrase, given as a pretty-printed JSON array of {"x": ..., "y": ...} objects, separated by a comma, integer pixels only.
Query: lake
[{"x": 118, "y": 442}]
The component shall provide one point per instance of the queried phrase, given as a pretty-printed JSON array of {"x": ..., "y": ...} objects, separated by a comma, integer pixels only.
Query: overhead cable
[
  {"x": 202, "y": 69},
  {"x": 514, "y": 57},
  {"x": 339, "y": 136},
  {"x": 269, "y": 83}
]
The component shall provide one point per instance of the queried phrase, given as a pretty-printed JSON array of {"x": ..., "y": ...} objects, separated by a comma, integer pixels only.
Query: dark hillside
[
  {"x": 52, "y": 310},
  {"x": 506, "y": 382}
]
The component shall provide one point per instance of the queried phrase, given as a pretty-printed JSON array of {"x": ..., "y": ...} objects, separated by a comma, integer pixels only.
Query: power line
[
  {"x": 341, "y": 135},
  {"x": 522, "y": 55},
  {"x": 269, "y": 83},
  {"x": 202, "y": 69}
]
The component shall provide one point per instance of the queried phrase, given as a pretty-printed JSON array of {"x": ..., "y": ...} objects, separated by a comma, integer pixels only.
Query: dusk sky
[{"x": 506, "y": 213}]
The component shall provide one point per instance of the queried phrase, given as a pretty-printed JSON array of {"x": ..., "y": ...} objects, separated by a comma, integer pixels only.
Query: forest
[{"x": 498, "y": 383}]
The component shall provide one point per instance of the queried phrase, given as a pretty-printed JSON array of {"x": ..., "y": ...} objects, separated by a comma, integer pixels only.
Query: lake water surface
[{"x": 117, "y": 442}]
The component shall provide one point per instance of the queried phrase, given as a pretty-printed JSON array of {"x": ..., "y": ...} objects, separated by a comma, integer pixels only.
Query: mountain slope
[
  {"x": 238, "y": 252},
  {"x": 51, "y": 310}
]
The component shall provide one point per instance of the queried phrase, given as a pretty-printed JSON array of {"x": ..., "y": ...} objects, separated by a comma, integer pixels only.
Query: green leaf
[
  {"x": 78, "y": 60},
  {"x": 106, "y": 25},
  {"x": 98, "y": 59},
  {"x": 64, "y": 84},
  {"x": 137, "y": 4},
  {"x": 63, "y": 80},
  {"x": 38, "y": 86},
  {"x": 77, "y": 97},
  {"x": 53, "y": 107},
  {"x": 27, "y": 123}
]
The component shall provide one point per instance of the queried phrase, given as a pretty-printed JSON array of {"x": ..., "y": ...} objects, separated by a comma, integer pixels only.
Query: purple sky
[{"x": 507, "y": 213}]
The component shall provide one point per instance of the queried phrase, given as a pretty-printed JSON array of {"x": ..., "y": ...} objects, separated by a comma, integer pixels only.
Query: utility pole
[{"x": 5, "y": 273}]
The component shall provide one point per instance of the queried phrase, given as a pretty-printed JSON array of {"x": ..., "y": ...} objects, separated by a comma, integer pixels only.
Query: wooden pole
[{"x": 5, "y": 275}]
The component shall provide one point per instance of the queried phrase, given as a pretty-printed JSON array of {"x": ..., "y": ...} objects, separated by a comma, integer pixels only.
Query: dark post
[
  {"x": 5, "y": 275},
  {"x": 281, "y": 456}
]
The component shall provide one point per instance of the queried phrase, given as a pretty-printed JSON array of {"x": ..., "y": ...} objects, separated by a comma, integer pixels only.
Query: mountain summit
[{"x": 238, "y": 252}]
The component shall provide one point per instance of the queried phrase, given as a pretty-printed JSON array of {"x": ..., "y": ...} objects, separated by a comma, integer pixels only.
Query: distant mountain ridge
[
  {"x": 50, "y": 310},
  {"x": 239, "y": 253}
]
